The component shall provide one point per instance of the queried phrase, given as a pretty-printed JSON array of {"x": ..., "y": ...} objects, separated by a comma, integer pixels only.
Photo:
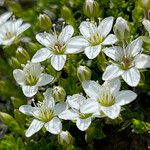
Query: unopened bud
[
  {"x": 145, "y": 4},
  {"x": 58, "y": 93},
  {"x": 65, "y": 138},
  {"x": 91, "y": 8},
  {"x": 66, "y": 13},
  {"x": 83, "y": 73},
  {"x": 22, "y": 55},
  {"x": 45, "y": 22},
  {"x": 14, "y": 62},
  {"x": 121, "y": 29}
]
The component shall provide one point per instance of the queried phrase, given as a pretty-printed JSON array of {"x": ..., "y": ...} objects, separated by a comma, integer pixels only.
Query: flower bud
[
  {"x": 14, "y": 62},
  {"x": 22, "y": 55},
  {"x": 66, "y": 13},
  {"x": 121, "y": 29},
  {"x": 145, "y": 4},
  {"x": 83, "y": 73},
  {"x": 58, "y": 93},
  {"x": 91, "y": 8},
  {"x": 45, "y": 22},
  {"x": 65, "y": 138}
]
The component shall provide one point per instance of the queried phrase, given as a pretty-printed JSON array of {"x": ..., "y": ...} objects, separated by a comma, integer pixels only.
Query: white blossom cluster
[{"x": 97, "y": 101}]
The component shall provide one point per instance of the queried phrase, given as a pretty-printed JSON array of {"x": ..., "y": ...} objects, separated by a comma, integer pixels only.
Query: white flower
[
  {"x": 107, "y": 98},
  {"x": 126, "y": 62},
  {"x": 76, "y": 102},
  {"x": 146, "y": 24},
  {"x": 96, "y": 36},
  {"x": 31, "y": 77},
  {"x": 56, "y": 47},
  {"x": 45, "y": 114},
  {"x": 10, "y": 30},
  {"x": 4, "y": 17}
]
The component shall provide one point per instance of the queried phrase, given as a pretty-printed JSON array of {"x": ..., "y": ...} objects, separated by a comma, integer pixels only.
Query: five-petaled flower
[
  {"x": 96, "y": 36},
  {"x": 106, "y": 99},
  {"x": 45, "y": 114},
  {"x": 31, "y": 77},
  {"x": 126, "y": 62},
  {"x": 56, "y": 47},
  {"x": 10, "y": 30},
  {"x": 74, "y": 113}
]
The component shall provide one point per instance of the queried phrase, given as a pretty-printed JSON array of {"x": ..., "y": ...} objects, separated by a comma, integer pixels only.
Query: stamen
[
  {"x": 54, "y": 28},
  {"x": 63, "y": 25},
  {"x": 33, "y": 101}
]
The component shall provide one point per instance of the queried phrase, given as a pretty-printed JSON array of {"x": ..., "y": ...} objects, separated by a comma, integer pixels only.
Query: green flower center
[
  {"x": 84, "y": 116},
  {"x": 46, "y": 115},
  {"x": 9, "y": 35},
  {"x": 126, "y": 63},
  {"x": 31, "y": 80},
  {"x": 106, "y": 99},
  {"x": 96, "y": 39}
]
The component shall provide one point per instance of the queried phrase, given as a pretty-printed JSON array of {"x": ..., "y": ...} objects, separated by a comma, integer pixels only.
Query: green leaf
[
  {"x": 94, "y": 132},
  {"x": 10, "y": 122},
  {"x": 139, "y": 126}
]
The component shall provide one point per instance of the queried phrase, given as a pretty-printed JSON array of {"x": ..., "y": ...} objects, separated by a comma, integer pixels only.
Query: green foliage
[{"x": 135, "y": 117}]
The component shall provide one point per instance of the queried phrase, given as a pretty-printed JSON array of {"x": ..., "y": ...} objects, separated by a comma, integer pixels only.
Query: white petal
[
  {"x": 112, "y": 71},
  {"x": 112, "y": 111},
  {"x": 34, "y": 69},
  {"x": 58, "y": 61},
  {"x": 50, "y": 103},
  {"x": 132, "y": 77},
  {"x": 17, "y": 23},
  {"x": 125, "y": 97},
  {"x": 85, "y": 28},
  {"x": 134, "y": 47},
  {"x": 34, "y": 127},
  {"x": 44, "y": 79},
  {"x": 92, "y": 89},
  {"x": 19, "y": 76},
  {"x": 146, "y": 24},
  {"x": 45, "y": 39},
  {"x": 115, "y": 52},
  {"x": 83, "y": 124},
  {"x": 22, "y": 28},
  {"x": 92, "y": 51},
  {"x": 114, "y": 85},
  {"x": 142, "y": 61},
  {"x": 54, "y": 126},
  {"x": 26, "y": 109},
  {"x": 29, "y": 91},
  {"x": 4, "y": 17},
  {"x": 75, "y": 101},
  {"x": 90, "y": 106},
  {"x": 105, "y": 26},
  {"x": 41, "y": 55},
  {"x": 76, "y": 45},
  {"x": 60, "y": 107},
  {"x": 48, "y": 94},
  {"x": 68, "y": 115},
  {"x": 8, "y": 42},
  {"x": 110, "y": 40},
  {"x": 66, "y": 34}
]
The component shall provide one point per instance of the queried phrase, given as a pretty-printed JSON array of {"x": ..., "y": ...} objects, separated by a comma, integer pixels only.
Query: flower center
[
  {"x": 59, "y": 48},
  {"x": 31, "y": 80},
  {"x": 9, "y": 35},
  {"x": 96, "y": 39},
  {"x": 106, "y": 98},
  {"x": 46, "y": 114},
  {"x": 126, "y": 63},
  {"x": 84, "y": 116}
]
